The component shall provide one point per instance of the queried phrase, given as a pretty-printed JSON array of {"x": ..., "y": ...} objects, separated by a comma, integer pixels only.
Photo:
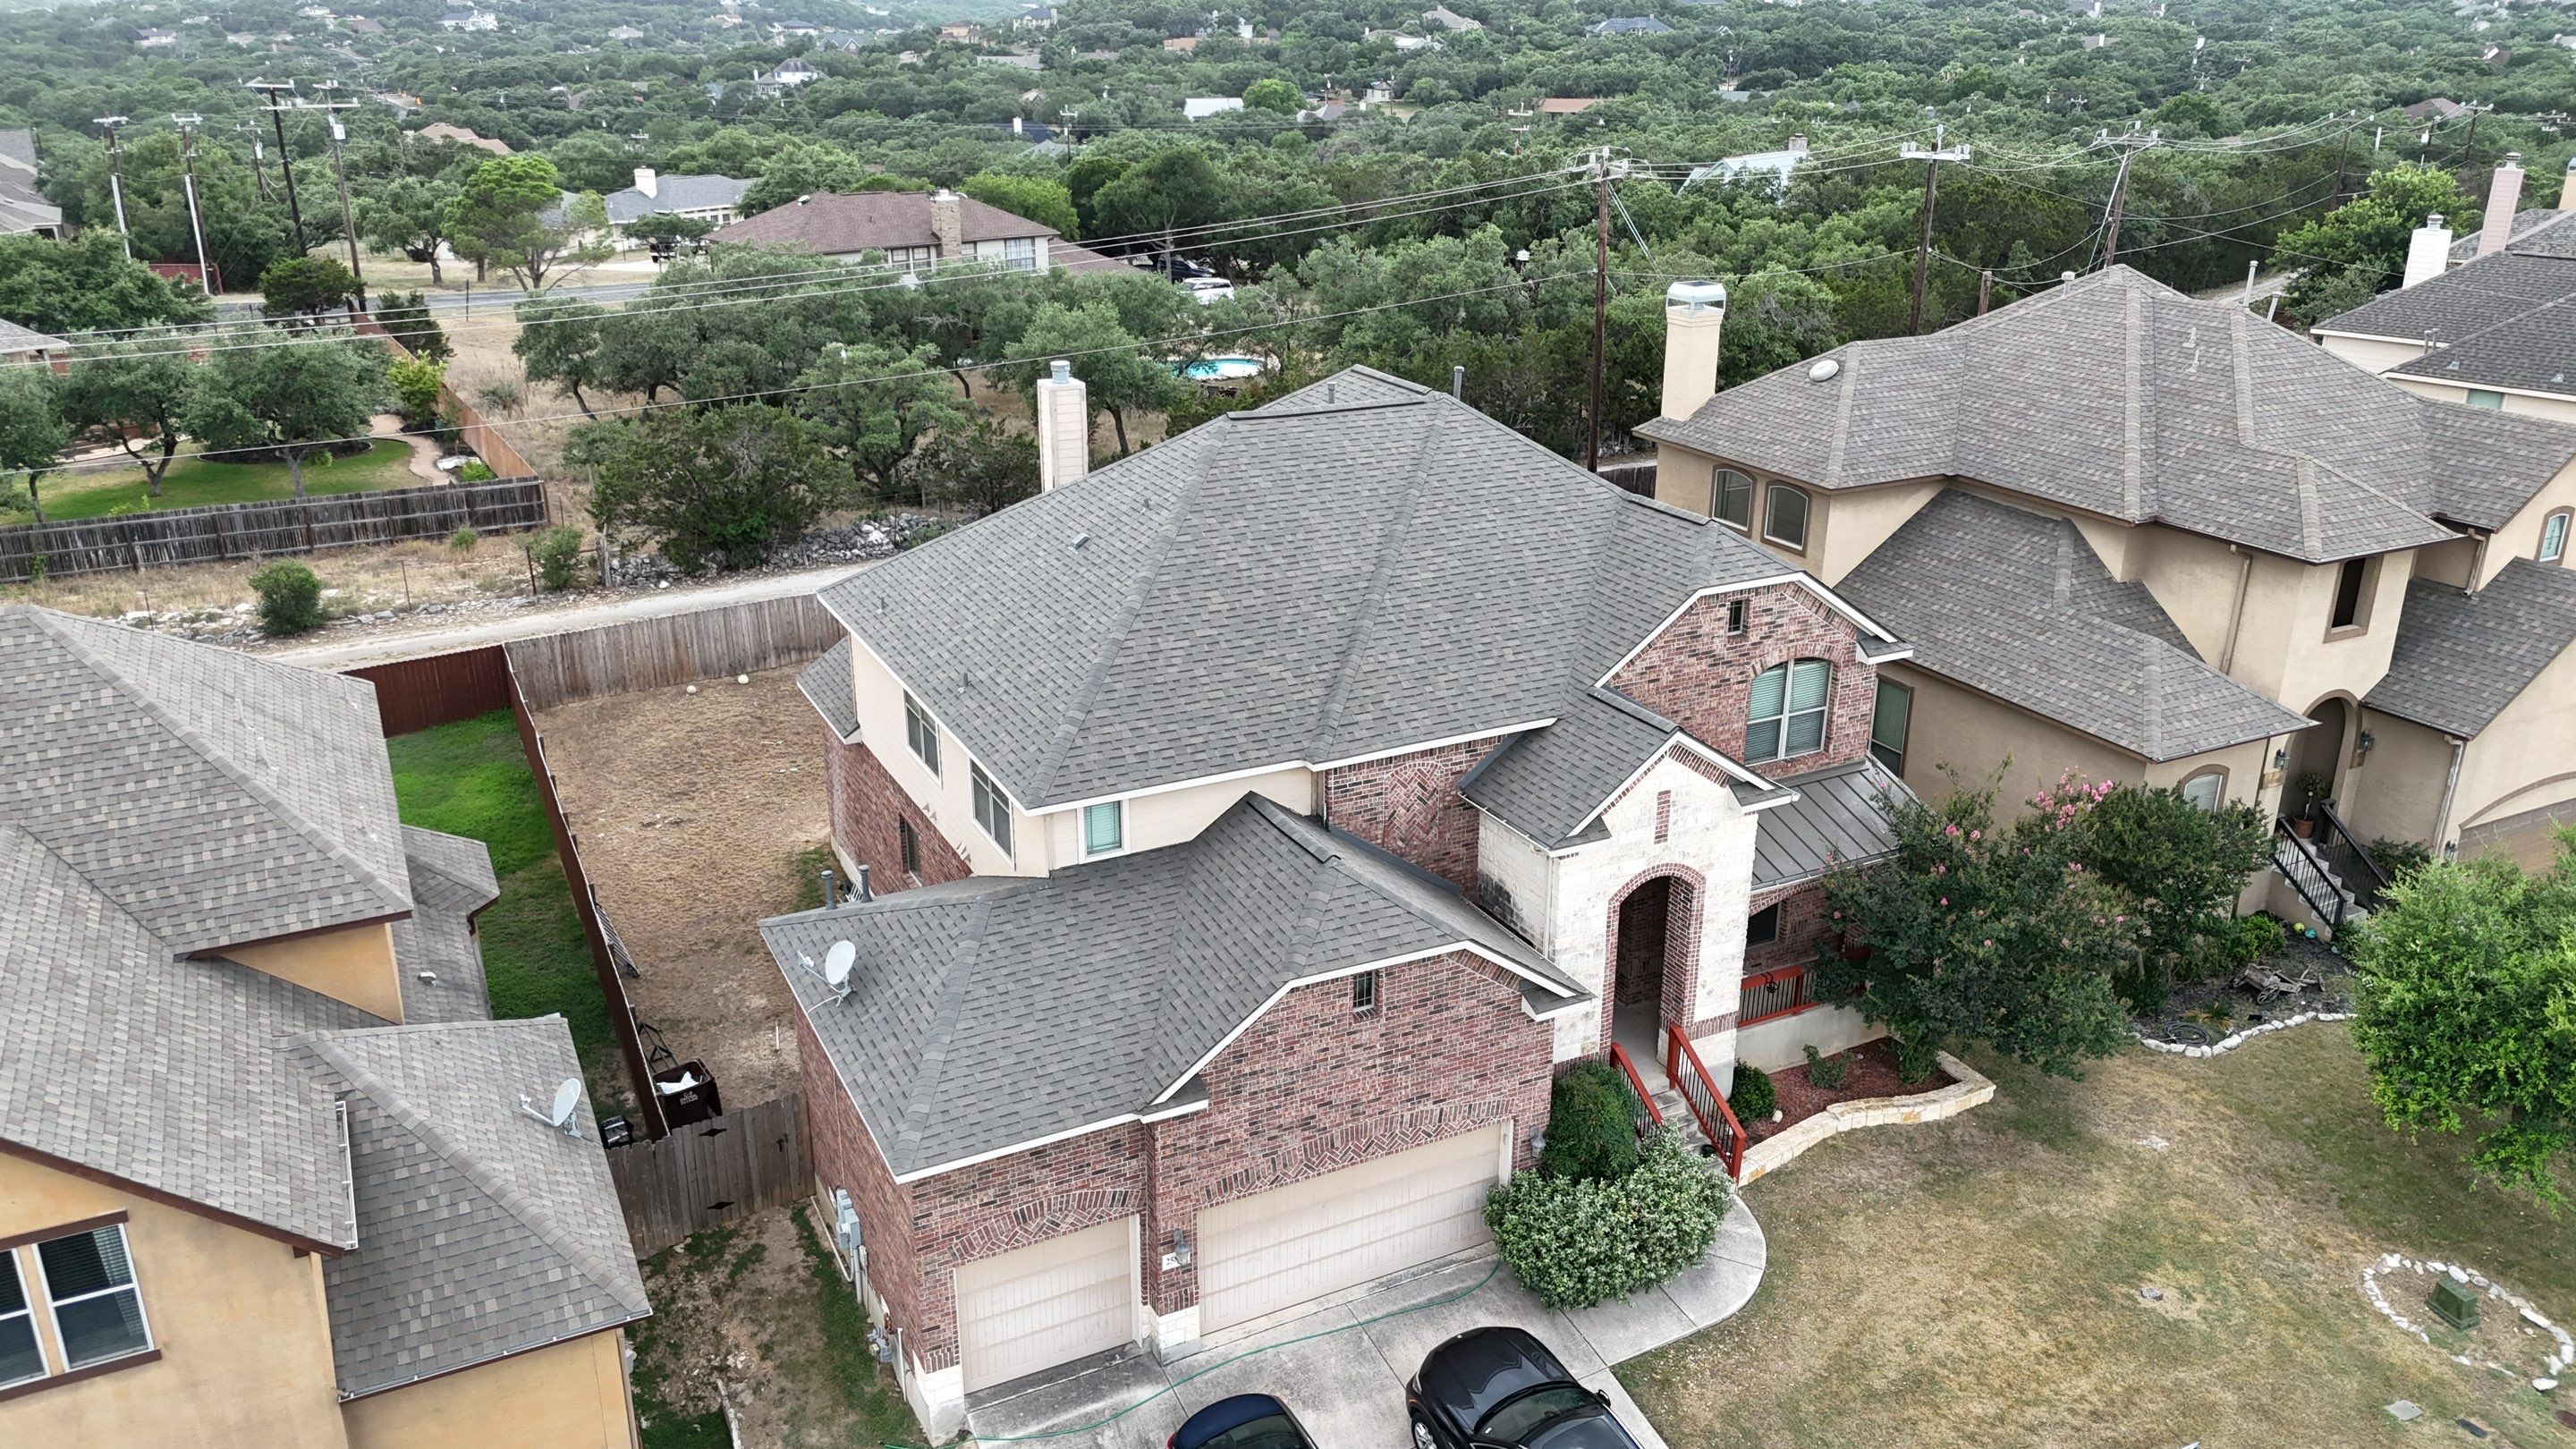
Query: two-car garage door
[{"x": 1277, "y": 1249}]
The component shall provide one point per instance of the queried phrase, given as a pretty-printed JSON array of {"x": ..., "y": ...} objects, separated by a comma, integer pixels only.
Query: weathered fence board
[
  {"x": 218, "y": 532},
  {"x": 558, "y": 669},
  {"x": 714, "y": 1172},
  {"x": 437, "y": 689}
]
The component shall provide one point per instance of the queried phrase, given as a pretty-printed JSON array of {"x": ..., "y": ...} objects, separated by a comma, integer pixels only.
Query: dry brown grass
[{"x": 1977, "y": 1282}]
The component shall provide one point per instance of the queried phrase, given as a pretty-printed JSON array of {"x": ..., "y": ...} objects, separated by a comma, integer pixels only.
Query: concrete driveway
[{"x": 1341, "y": 1365}]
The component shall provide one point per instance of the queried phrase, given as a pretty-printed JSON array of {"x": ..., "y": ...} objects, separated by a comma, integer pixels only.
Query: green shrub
[
  {"x": 1754, "y": 1098},
  {"x": 416, "y": 386},
  {"x": 1591, "y": 1125},
  {"x": 1577, "y": 1241},
  {"x": 462, "y": 539},
  {"x": 475, "y": 471},
  {"x": 2256, "y": 937},
  {"x": 558, "y": 555},
  {"x": 290, "y": 598},
  {"x": 1916, "y": 1060},
  {"x": 1823, "y": 1072}
]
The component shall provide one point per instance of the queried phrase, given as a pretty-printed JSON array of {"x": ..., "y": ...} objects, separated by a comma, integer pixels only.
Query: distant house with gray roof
[
  {"x": 1629, "y": 25},
  {"x": 23, "y": 208},
  {"x": 258, "y": 1125},
  {"x": 2140, "y": 536},
  {"x": 714, "y": 200},
  {"x": 1249, "y": 830}
]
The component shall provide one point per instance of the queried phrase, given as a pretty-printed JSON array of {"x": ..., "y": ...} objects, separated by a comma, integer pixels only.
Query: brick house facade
[
  {"x": 1409, "y": 804},
  {"x": 1700, "y": 674},
  {"x": 870, "y": 814}
]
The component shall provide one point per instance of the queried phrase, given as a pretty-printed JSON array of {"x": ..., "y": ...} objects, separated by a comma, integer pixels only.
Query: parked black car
[
  {"x": 1499, "y": 1388},
  {"x": 1246, "y": 1421}
]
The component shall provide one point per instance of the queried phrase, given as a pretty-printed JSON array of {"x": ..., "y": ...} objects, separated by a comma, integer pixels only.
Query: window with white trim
[
  {"x": 920, "y": 733},
  {"x": 2482, "y": 398},
  {"x": 22, "y": 1358},
  {"x": 2205, "y": 789},
  {"x": 1730, "y": 499},
  {"x": 1784, "y": 517},
  {"x": 89, "y": 1286},
  {"x": 1104, "y": 827},
  {"x": 1890, "y": 721},
  {"x": 1786, "y": 716},
  {"x": 1364, "y": 993},
  {"x": 992, "y": 807},
  {"x": 2553, "y": 537},
  {"x": 1020, "y": 253}
]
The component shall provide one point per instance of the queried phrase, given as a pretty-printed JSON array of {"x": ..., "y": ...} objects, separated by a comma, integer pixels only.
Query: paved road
[
  {"x": 356, "y": 648},
  {"x": 500, "y": 297}
]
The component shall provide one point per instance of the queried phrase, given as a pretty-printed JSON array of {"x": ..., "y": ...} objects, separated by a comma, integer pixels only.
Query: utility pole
[
  {"x": 187, "y": 125},
  {"x": 258, "y": 157},
  {"x": 2469, "y": 148},
  {"x": 1601, "y": 172},
  {"x": 2341, "y": 152},
  {"x": 2130, "y": 145},
  {"x": 285, "y": 155},
  {"x": 331, "y": 110},
  {"x": 116, "y": 180},
  {"x": 1932, "y": 160}
]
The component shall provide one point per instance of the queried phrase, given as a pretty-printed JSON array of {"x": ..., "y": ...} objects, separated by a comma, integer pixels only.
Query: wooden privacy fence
[
  {"x": 222, "y": 531},
  {"x": 714, "y": 1172},
  {"x": 559, "y": 669},
  {"x": 417, "y": 694},
  {"x": 478, "y": 434}
]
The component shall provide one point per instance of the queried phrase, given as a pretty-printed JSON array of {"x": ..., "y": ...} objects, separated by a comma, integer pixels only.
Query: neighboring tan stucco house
[
  {"x": 2152, "y": 538},
  {"x": 1255, "y": 826},
  {"x": 265, "y": 1175}
]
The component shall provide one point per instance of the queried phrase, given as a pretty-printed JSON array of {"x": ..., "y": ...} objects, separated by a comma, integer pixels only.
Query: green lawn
[
  {"x": 471, "y": 778},
  {"x": 193, "y": 481},
  {"x": 1978, "y": 1281}
]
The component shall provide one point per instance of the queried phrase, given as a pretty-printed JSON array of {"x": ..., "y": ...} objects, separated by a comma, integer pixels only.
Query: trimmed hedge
[
  {"x": 1591, "y": 1124},
  {"x": 1755, "y": 1097},
  {"x": 1577, "y": 1241}
]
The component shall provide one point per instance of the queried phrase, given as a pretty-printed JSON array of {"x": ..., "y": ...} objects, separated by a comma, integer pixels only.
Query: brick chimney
[
  {"x": 2428, "y": 252},
  {"x": 1694, "y": 316},
  {"x": 2504, "y": 198},
  {"x": 646, "y": 181},
  {"x": 948, "y": 225},
  {"x": 1064, "y": 428}
]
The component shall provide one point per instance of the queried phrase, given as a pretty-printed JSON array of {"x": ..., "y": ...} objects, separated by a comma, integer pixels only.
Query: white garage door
[
  {"x": 1327, "y": 1233},
  {"x": 1047, "y": 1304}
]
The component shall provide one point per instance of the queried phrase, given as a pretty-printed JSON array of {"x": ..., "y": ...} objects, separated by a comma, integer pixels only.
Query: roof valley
[{"x": 1407, "y": 486}]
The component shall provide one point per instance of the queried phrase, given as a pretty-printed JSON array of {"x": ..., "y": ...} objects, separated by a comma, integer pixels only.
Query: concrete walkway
[{"x": 1342, "y": 1366}]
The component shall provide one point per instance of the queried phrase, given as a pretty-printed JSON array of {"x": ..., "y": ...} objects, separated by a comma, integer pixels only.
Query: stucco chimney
[
  {"x": 948, "y": 225},
  {"x": 1798, "y": 144},
  {"x": 2567, "y": 188},
  {"x": 646, "y": 181},
  {"x": 2428, "y": 252},
  {"x": 2504, "y": 197},
  {"x": 1694, "y": 316},
  {"x": 1064, "y": 427}
]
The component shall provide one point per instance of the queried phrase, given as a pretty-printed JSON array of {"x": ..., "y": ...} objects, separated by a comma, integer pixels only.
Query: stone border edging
[
  {"x": 1967, "y": 1089},
  {"x": 2553, "y": 1365},
  {"x": 2238, "y": 1039}
]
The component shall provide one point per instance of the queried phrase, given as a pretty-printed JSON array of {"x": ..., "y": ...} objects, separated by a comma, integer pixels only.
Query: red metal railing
[
  {"x": 1717, "y": 1120},
  {"x": 1777, "y": 992},
  {"x": 1654, "y": 1114}
]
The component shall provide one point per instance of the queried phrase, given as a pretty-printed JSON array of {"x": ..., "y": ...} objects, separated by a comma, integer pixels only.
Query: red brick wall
[
  {"x": 1312, "y": 1087},
  {"x": 866, "y": 802},
  {"x": 1804, "y": 929},
  {"x": 1409, "y": 805},
  {"x": 1701, "y": 677},
  {"x": 846, "y": 1157}
]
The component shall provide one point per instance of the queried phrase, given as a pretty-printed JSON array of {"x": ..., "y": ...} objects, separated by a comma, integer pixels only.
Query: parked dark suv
[
  {"x": 1246, "y": 1421},
  {"x": 1499, "y": 1388}
]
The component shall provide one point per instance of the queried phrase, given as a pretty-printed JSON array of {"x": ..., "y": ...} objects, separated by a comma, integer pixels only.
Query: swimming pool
[{"x": 1224, "y": 369}]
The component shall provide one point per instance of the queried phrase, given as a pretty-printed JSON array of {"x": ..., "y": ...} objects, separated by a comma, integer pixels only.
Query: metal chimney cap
[
  {"x": 1695, "y": 297},
  {"x": 1061, "y": 370}
]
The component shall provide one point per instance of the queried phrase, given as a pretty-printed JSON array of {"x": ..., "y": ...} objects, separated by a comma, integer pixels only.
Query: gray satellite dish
[
  {"x": 837, "y": 963},
  {"x": 560, "y": 1115}
]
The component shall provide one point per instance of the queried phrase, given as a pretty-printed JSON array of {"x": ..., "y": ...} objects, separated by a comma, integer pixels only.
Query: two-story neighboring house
[
  {"x": 266, "y": 1175},
  {"x": 1254, "y": 826},
  {"x": 2152, "y": 538}
]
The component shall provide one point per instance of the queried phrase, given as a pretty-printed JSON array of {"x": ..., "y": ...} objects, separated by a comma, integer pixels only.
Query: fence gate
[{"x": 711, "y": 1173}]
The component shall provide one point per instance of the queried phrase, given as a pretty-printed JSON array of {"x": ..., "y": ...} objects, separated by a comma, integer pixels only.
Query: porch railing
[
  {"x": 2299, "y": 864},
  {"x": 1689, "y": 1076},
  {"x": 2341, "y": 850},
  {"x": 1654, "y": 1115},
  {"x": 1776, "y": 992}
]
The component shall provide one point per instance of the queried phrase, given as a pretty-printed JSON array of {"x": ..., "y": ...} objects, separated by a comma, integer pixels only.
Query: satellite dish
[
  {"x": 837, "y": 963},
  {"x": 567, "y": 1097}
]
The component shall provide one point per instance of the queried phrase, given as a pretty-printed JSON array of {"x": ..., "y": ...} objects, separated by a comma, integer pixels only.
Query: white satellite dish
[
  {"x": 560, "y": 1115},
  {"x": 837, "y": 963}
]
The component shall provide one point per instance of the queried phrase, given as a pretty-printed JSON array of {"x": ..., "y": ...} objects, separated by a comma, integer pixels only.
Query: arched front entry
[
  {"x": 2319, "y": 750},
  {"x": 1651, "y": 966}
]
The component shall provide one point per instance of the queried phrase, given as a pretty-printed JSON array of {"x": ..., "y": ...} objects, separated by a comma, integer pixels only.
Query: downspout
[
  {"x": 2450, "y": 792},
  {"x": 2236, "y": 620}
]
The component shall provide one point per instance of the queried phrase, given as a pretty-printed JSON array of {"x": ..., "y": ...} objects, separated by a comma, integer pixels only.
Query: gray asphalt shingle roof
[
  {"x": 675, "y": 194},
  {"x": 826, "y": 684},
  {"x": 996, "y": 1010},
  {"x": 2122, "y": 397},
  {"x": 2461, "y": 658},
  {"x": 1548, "y": 784},
  {"x": 15, "y": 339},
  {"x": 2464, "y": 301},
  {"x": 484, "y": 1232},
  {"x": 442, "y": 966},
  {"x": 2018, "y": 606},
  {"x": 1361, "y": 566}
]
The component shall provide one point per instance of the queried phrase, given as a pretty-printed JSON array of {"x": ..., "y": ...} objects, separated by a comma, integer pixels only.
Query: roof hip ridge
[
  {"x": 950, "y": 1007},
  {"x": 1391, "y": 536},
  {"x": 223, "y": 764}
]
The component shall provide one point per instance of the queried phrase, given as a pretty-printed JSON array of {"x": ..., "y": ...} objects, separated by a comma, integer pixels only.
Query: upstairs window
[
  {"x": 908, "y": 847},
  {"x": 1104, "y": 827},
  {"x": 920, "y": 733},
  {"x": 2481, "y": 398},
  {"x": 1787, "y": 712},
  {"x": 1889, "y": 723},
  {"x": 2347, "y": 594},
  {"x": 1736, "y": 614},
  {"x": 22, "y": 1358},
  {"x": 1731, "y": 499},
  {"x": 1364, "y": 993},
  {"x": 1785, "y": 521},
  {"x": 2553, "y": 537},
  {"x": 98, "y": 1311},
  {"x": 992, "y": 807}
]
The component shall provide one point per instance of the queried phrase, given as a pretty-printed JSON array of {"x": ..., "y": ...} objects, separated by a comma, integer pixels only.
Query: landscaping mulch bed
[
  {"x": 2205, "y": 1011},
  {"x": 1869, "y": 1071}
]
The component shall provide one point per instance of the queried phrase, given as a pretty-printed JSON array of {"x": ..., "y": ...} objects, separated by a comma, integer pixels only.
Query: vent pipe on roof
[
  {"x": 1064, "y": 427},
  {"x": 865, "y": 895},
  {"x": 2429, "y": 252},
  {"x": 829, "y": 900},
  {"x": 1694, "y": 319},
  {"x": 2504, "y": 197}
]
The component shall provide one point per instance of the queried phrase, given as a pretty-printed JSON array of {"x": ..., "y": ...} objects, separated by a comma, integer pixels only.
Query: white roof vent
[{"x": 1824, "y": 369}]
